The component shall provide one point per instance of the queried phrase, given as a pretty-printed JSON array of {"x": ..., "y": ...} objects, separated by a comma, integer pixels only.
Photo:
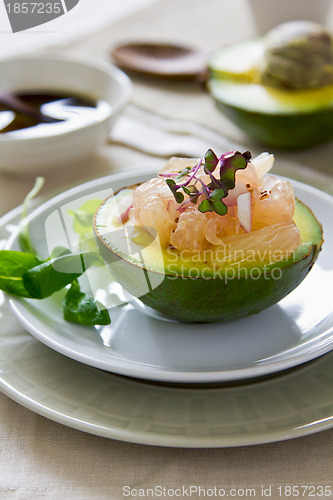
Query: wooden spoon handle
[{"x": 14, "y": 103}]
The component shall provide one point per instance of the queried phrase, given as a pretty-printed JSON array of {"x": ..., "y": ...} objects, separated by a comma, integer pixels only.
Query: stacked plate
[{"x": 226, "y": 384}]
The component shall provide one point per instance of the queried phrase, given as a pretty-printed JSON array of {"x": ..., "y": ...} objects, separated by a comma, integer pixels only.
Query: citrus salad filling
[
  {"x": 220, "y": 229},
  {"x": 223, "y": 203}
]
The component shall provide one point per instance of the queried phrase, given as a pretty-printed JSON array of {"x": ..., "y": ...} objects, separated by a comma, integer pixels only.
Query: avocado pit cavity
[{"x": 298, "y": 55}]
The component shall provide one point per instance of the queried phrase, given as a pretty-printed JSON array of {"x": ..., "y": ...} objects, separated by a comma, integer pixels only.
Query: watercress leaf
[
  {"x": 211, "y": 160},
  {"x": 81, "y": 308},
  {"x": 186, "y": 190},
  {"x": 206, "y": 206},
  {"x": 53, "y": 275},
  {"x": 12, "y": 267}
]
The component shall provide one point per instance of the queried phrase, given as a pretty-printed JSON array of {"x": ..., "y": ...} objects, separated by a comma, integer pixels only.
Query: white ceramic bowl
[{"x": 99, "y": 81}]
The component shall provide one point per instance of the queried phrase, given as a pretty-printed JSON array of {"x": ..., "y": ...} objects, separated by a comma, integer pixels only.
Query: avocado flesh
[
  {"x": 239, "y": 61},
  {"x": 286, "y": 119},
  {"x": 194, "y": 292}
]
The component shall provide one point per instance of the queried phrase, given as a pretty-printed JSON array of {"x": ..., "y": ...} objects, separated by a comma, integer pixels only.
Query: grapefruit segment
[{"x": 257, "y": 201}]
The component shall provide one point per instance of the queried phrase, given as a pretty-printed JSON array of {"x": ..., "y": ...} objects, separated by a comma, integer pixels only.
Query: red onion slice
[{"x": 244, "y": 211}]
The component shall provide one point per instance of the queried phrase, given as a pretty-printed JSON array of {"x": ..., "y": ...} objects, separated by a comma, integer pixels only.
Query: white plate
[
  {"x": 292, "y": 332},
  {"x": 292, "y": 404}
]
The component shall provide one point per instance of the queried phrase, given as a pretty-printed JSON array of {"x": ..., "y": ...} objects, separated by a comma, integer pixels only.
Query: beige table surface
[{"x": 42, "y": 459}]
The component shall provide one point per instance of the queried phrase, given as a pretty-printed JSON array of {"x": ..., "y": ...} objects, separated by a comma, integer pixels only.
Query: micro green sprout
[{"x": 221, "y": 171}]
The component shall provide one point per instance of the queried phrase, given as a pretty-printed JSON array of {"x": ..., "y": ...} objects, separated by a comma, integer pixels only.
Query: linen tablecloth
[{"x": 42, "y": 459}]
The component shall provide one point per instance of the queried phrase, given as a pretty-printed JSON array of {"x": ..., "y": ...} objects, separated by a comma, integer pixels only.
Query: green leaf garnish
[
  {"x": 24, "y": 274},
  {"x": 51, "y": 276},
  {"x": 24, "y": 236},
  {"x": 13, "y": 265},
  {"x": 79, "y": 307}
]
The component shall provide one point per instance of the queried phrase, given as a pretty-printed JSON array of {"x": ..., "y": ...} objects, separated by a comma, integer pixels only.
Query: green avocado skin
[
  {"x": 210, "y": 300},
  {"x": 290, "y": 132}
]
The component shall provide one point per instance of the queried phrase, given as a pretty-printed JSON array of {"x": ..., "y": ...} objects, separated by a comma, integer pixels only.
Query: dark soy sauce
[{"x": 72, "y": 112}]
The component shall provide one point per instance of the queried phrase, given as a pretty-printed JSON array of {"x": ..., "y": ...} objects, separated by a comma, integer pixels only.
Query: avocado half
[
  {"x": 281, "y": 118},
  {"x": 189, "y": 290}
]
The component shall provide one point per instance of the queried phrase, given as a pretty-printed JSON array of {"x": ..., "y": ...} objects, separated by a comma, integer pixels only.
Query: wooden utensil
[
  {"x": 158, "y": 60},
  {"x": 13, "y": 103}
]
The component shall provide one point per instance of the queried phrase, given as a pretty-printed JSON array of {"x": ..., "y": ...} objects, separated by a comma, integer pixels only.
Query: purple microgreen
[
  {"x": 194, "y": 199},
  {"x": 194, "y": 172},
  {"x": 179, "y": 197},
  {"x": 188, "y": 202},
  {"x": 217, "y": 195},
  {"x": 183, "y": 174},
  {"x": 215, "y": 198},
  {"x": 211, "y": 160},
  {"x": 169, "y": 175},
  {"x": 191, "y": 190},
  {"x": 217, "y": 189},
  {"x": 229, "y": 164},
  {"x": 206, "y": 206},
  {"x": 205, "y": 189},
  {"x": 220, "y": 208},
  {"x": 214, "y": 183},
  {"x": 172, "y": 185}
]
